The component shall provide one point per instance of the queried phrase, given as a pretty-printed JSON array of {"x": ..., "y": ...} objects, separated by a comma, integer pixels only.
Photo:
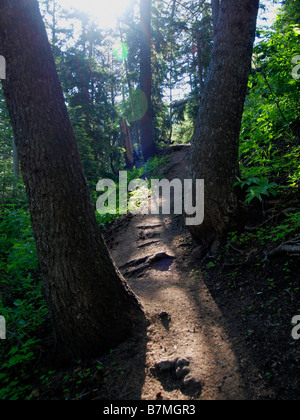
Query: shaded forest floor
[{"x": 220, "y": 327}]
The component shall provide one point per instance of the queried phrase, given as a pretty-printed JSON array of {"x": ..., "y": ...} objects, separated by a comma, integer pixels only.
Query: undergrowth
[{"x": 21, "y": 302}]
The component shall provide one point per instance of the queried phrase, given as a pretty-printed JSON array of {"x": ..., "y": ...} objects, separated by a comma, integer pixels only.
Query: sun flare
[{"x": 104, "y": 12}]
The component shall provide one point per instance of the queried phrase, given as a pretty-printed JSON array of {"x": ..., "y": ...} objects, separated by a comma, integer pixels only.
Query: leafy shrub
[
  {"x": 257, "y": 188},
  {"x": 21, "y": 302},
  {"x": 274, "y": 233},
  {"x": 269, "y": 146}
]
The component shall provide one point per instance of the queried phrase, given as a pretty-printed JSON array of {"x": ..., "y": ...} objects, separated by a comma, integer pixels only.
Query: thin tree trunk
[
  {"x": 171, "y": 73},
  {"x": 215, "y": 142},
  {"x": 147, "y": 136},
  {"x": 215, "y": 5},
  {"x": 54, "y": 24},
  {"x": 129, "y": 152},
  {"x": 91, "y": 305},
  {"x": 199, "y": 57},
  {"x": 129, "y": 91}
]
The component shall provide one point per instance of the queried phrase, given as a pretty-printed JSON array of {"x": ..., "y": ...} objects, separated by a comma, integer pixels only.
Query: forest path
[{"x": 187, "y": 352}]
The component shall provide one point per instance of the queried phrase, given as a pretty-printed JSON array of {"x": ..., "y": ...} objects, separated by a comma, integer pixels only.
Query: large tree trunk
[
  {"x": 216, "y": 138},
  {"x": 147, "y": 136},
  {"x": 91, "y": 305}
]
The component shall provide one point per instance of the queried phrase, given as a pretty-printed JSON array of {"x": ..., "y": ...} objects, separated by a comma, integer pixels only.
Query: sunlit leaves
[{"x": 269, "y": 146}]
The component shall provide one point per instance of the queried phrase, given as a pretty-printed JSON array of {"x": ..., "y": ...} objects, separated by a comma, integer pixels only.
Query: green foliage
[
  {"x": 274, "y": 233},
  {"x": 21, "y": 302},
  {"x": 153, "y": 168},
  {"x": 257, "y": 188},
  {"x": 183, "y": 130},
  {"x": 12, "y": 190},
  {"x": 270, "y": 129}
]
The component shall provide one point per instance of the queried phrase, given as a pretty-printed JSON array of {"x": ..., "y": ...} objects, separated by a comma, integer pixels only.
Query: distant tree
[
  {"x": 91, "y": 305},
  {"x": 182, "y": 41},
  {"x": 147, "y": 135}
]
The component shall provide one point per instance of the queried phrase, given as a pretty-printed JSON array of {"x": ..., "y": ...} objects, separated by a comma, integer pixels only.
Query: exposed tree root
[
  {"x": 140, "y": 264},
  {"x": 291, "y": 248}
]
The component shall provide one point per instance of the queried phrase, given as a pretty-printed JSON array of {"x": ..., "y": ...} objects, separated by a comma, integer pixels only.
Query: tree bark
[
  {"x": 16, "y": 165},
  {"x": 215, "y": 5},
  {"x": 92, "y": 307},
  {"x": 215, "y": 142},
  {"x": 147, "y": 136},
  {"x": 199, "y": 58},
  {"x": 129, "y": 151}
]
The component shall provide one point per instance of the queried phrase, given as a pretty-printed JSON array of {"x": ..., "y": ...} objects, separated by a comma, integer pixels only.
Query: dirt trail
[{"x": 185, "y": 321}]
